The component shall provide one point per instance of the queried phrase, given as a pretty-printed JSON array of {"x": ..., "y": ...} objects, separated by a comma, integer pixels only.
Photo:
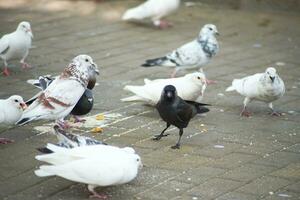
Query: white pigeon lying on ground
[
  {"x": 191, "y": 55},
  {"x": 96, "y": 165},
  {"x": 266, "y": 87},
  {"x": 154, "y": 9},
  {"x": 60, "y": 97},
  {"x": 16, "y": 45},
  {"x": 11, "y": 110},
  {"x": 190, "y": 87}
]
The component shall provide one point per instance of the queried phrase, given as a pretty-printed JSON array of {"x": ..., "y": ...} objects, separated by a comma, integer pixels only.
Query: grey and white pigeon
[
  {"x": 190, "y": 87},
  {"x": 61, "y": 96},
  {"x": 266, "y": 87},
  {"x": 11, "y": 110},
  {"x": 16, "y": 45},
  {"x": 177, "y": 112},
  {"x": 96, "y": 165},
  {"x": 85, "y": 103},
  {"x": 153, "y": 9},
  {"x": 191, "y": 55},
  {"x": 70, "y": 140}
]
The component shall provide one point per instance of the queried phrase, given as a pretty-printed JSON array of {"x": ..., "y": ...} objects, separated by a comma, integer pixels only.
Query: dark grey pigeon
[
  {"x": 177, "y": 112},
  {"x": 69, "y": 140}
]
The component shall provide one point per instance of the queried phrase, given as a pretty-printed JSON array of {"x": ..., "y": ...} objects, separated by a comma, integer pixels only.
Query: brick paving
[{"x": 261, "y": 154}]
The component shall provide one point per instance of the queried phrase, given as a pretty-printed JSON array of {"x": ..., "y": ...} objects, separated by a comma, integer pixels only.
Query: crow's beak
[
  {"x": 23, "y": 106},
  {"x": 169, "y": 94}
]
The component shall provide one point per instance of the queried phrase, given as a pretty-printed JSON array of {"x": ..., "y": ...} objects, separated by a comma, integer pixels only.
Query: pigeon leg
[
  {"x": 63, "y": 124},
  {"x": 244, "y": 112},
  {"x": 158, "y": 137},
  {"x": 78, "y": 119},
  {"x": 6, "y": 71},
  {"x": 163, "y": 24},
  {"x": 274, "y": 113},
  {"x": 173, "y": 75},
  {"x": 177, "y": 145},
  {"x": 94, "y": 194},
  {"x": 24, "y": 65},
  {"x": 5, "y": 141}
]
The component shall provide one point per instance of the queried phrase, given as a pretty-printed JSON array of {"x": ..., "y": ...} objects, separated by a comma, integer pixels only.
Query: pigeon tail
[
  {"x": 26, "y": 120},
  {"x": 154, "y": 62},
  {"x": 44, "y": 170},
  {"x": 230, "y": 88}
]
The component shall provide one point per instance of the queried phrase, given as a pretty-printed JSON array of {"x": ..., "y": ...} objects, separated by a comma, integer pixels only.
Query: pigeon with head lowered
[
  {"x": 266, "y": 87},
  {"x": 190, "y": 87},
  {"x": 177, "y": 112},
  {"x": 96, "y": 165},
  {"x": 191, "y": 55},
  {"x": 61, "y": 96},
  {"x": 11, "y": 110},
  {"x": 16, "y": 45},
  {"x": 154, "y": 9},
  {"x": 70, "y": 140},
  {"x": 85, "y": 103}
]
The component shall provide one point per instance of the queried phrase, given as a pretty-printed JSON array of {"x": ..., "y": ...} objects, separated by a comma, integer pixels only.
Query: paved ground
[{"x": 261, "y": 154}]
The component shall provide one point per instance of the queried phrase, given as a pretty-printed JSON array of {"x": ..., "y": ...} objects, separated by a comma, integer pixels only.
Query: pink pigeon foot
[
  {"x": 25, "y": 65},
  {"x": 78, "y": 119},
  {"x": 64, "y": 125},
  {"x": 6, "y": 72},
  {"x": 165, "y": 24},
  {"x": 5, "y": 141},
  {"x": 245, "y": 113},
  {"x": 276, "y": 114},
  {"x": 98, "y": 196}
]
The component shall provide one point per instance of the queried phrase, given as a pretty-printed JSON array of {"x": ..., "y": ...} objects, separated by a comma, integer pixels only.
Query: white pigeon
[
  {"x": 96, "y": 165},
  {"x": 190, "y": 87},
  {"x": 11, "y": 110},
  {"x": 16, "y": 45},
  {"x": 266, "y": 87},
  {"x": 60, "y": 97},
  {"x": 154, "y": 9},
  {"x": 191, "y": 55}
]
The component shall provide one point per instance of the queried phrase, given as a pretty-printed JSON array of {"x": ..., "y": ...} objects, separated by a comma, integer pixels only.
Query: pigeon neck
[
  {"x": 206, "y": 46},
  {"x": 71, "y": 72}
]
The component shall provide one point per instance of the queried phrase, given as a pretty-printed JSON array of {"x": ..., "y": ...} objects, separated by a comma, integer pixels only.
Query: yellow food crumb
[
  {"x": 100, "y": 117},
  {"x": 97, "y": 130}
]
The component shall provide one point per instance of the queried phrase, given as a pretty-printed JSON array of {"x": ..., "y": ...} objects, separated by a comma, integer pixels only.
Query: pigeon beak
[
  {"x": 217, "y": 33},
  {"x": 169, "y": 94},
  {"x": 29, "y": 32},
  {"x": 272, "y": 78},
  {"x": 23, "y": 106},
  {"x": 95, "y": 67}
]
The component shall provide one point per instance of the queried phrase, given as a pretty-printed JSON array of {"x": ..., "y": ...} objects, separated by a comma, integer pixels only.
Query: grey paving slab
[{"x": 223, "y": 155}]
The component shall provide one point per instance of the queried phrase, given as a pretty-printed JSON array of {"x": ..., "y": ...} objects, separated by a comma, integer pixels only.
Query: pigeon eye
[
  {"x": 210, "y": 29},
  {"x": 137, "y": 159},
  {"x": 16, "y": 100},
  {"x": 198, "y": 77},
  {"x": 86, "y": 60}
]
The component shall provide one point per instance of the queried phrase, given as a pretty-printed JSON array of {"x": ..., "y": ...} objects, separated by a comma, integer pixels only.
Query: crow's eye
[{"x": 16, "y": 100}]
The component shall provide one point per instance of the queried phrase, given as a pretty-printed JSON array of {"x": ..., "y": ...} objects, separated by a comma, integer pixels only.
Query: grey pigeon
[
  {"x": 266, "y": 87},
  {"x": 191, "y": 55},
  {"x": 177, "y": 112},
  {"x": 69, "y": 140},
  {"x": 61, "y": 96},
  {"x": 16, "y": 45}
]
